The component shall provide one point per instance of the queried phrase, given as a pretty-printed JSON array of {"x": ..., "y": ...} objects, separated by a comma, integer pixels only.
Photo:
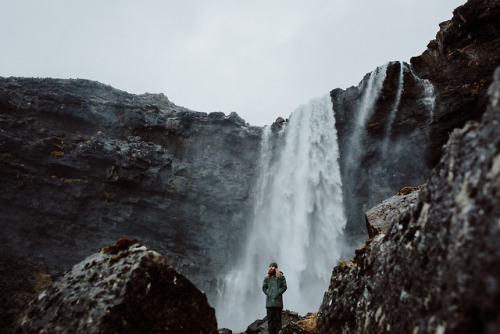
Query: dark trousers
[{"x": 274, "y": 319}]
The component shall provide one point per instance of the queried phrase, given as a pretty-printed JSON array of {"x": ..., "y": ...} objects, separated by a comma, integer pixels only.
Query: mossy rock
[
  {"x": 119, "y": 249},
  {"x": 409, "y": 190}
]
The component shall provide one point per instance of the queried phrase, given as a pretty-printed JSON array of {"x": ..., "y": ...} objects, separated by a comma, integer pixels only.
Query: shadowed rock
[
  {"x": 124, "y": 288},
  {"x": 259, "y": 326},
  {"x": 437, "y": 269}
]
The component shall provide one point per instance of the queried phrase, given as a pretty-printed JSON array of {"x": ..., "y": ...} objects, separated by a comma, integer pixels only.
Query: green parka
[{"x": 274, "y": 288}]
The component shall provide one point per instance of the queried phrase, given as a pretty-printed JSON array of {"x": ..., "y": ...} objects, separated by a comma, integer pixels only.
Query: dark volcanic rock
[
  {"x": 287, "y": 318},
  {"x": 293, "y": 328},
  {"x": 83, "y": 164},
  {"x": 379, "y": 218},
  {"x": 441, "y": 90},
  {"x": 459, "y": 62},
  {"x": 437, "y": 269},
  {"x": 124, "y": 288},
  {"x": 383, "y": 138},
  {"x": 21, "y": 280}
]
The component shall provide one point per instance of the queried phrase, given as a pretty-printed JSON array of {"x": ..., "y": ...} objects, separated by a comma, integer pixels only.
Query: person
[{"x": 274, "y": 286}]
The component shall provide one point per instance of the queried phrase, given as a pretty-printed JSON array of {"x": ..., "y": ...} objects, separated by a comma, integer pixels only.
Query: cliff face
[
  {"x": 84, "y": 164},
  {"x": 383, "y": 133},
  {"x": 460, "y": 63},
  {"x": 392, "y": 126},
  {"x": 437, "y": 269}
]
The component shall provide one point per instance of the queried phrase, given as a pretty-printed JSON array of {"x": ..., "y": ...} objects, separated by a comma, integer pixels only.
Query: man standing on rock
[{"x": 274, "y": 286}]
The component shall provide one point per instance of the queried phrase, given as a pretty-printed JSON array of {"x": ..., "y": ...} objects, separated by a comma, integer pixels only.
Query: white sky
[{"x": 258, "y": 58}]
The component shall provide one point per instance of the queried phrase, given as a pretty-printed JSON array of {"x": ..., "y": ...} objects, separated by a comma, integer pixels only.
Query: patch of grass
[
  {"x": 121, "y": 245},
  {"x": 409, "y": 190},
  {"x": 119, "y": 249}
]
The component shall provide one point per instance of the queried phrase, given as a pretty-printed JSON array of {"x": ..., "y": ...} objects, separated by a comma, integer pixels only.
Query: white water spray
[
  {"x": 298, "y": 219},
  {"x": 429, "y": 98},
  {"x": 392, "y": 115},
  {"x": 429, "y": 95},
  {"x": 371, "y": 93}
]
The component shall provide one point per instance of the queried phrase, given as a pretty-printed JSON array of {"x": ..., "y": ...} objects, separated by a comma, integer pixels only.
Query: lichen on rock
[{"x": 139, "y": 293}]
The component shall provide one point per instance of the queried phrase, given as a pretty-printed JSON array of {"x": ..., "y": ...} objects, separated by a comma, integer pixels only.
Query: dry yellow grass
[{"x": 309, "y": 323}]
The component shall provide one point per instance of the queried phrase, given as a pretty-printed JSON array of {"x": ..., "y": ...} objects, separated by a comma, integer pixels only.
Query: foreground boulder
[
  {"x": 437, "y": 269},
  {"x": 124, "y": 288}
]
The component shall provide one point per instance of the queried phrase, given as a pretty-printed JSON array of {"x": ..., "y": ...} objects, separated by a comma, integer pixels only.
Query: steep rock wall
[
  {"x": 83, "y": 164},
  {"x": 383, "y": 137},
  {"x": 437, "y": 269},
  {"x": 439, "y": 91}
]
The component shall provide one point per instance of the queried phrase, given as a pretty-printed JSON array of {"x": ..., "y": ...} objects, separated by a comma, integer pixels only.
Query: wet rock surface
[
  {"x": 379, "y": 218},
  {"x": 124, "y": 288},
  {"x": 289, "y": 320},
  {"x": 437, "y": 269},
  {"x": 83, "y": 164}
]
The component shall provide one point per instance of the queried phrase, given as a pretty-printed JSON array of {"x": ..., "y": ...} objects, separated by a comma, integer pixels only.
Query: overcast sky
[{"x": 259, "y": 58}]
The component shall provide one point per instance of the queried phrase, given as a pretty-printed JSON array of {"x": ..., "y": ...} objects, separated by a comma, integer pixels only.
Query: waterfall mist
[{"x": 298, "y": 219}]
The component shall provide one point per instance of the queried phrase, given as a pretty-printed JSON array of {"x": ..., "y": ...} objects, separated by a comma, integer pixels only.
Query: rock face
[
  {"x": 379, "y": 218},
  {"x": 83, "y": 164},
  {"x": 392, "y": 126},
  {"x": 437, "y": 269},
  {"x": 460, "y": 63},
  {"x": 124, "y": 288},
  {"x": 289, "y": 320}
]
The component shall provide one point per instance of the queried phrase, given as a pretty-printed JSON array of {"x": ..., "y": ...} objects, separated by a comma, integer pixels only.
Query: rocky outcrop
[
  {"x": 383, "y": 134},
  {"x": 379, "y": 218},
  {"x": 289, "y": 320},
  {"x": 83, "y": 164},
  {"x": 124, "y": 288},
  {"x": 436, "y": 270},
  {"x": 460, "y": 63},
  {"x": 293, "y": 328},
  {"x": 392, "y": 126}
]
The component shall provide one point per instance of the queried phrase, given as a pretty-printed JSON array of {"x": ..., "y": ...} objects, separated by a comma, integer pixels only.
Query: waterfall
[
  {"x": 429, "y": 98},
  {"x": 429, "y": 95},
  {"x": 298, "y": 219},
  {"x": 371, "y": 92},
  {"x": 394, "y": 110}
]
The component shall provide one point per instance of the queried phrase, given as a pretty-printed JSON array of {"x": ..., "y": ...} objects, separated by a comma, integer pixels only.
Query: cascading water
[
  {"x": 429, "y": 95},
  {"x": 298, "y": 219},
  {"x": 392, "y": 115},
  {"x": 429, "y": 98},
  {"x": 366, "y": 106}
]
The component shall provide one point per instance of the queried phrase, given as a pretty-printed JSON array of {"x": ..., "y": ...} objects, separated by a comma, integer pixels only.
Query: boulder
[
  {"x": 259, "y": 326},
  {"x": 437, "y": 268},
  {"x": 123, "y": 288},
  {"x": 380, "y": 217},
  {"x": 293, "y": 328}
]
